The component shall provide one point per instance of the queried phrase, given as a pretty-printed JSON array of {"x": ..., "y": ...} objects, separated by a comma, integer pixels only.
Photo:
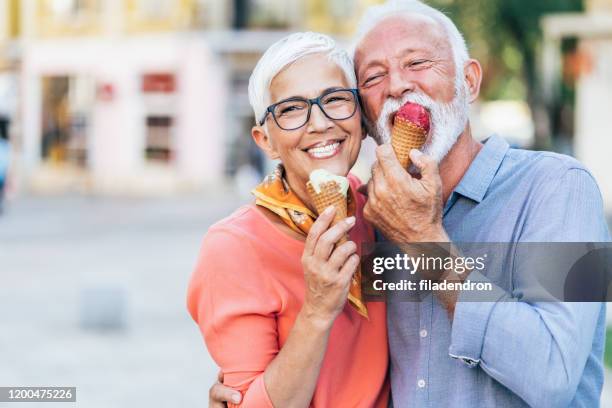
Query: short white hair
[
  {"x": 374, "y": 15},
  {"x": 284, "y": 53}
]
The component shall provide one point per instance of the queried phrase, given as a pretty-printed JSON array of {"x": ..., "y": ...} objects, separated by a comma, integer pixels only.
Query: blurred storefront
[
  {"x": 591, "y": 67},
  {"x": 130, "y": 96},
  {"x": 116, "y": 97}
]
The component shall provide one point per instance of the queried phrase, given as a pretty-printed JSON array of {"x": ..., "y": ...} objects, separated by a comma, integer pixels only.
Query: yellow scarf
[{"x": 275, "y": 195}]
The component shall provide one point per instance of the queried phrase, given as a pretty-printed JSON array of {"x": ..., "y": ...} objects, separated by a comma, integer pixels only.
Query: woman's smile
[{"x": 325, "y": 149}]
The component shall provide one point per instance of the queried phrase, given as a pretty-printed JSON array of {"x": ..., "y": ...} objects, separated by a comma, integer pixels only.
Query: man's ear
[
  {"x": 264, "y": 142},
  {"x": 473, "y": 78}
]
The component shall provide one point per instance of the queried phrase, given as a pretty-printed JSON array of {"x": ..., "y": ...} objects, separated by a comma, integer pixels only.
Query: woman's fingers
[
  {"x": 349, "y": 267},
  {"x": 325, "y": 288},
  {"x": 219, "y": 394},
  {"x": 327, "y": 241},
  {"x": 341, "y": 254},
  {"x": 319, "y": 227}
]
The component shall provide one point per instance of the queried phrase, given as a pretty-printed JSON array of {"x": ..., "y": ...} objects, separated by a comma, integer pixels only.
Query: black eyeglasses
[{"x": 293, "y": 113}]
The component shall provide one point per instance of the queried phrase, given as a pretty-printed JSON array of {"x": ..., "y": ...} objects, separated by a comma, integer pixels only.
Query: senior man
[{"x": 445, "y": 351}]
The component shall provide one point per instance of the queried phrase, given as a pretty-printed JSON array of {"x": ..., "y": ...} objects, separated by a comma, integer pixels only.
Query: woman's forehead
[{"x": 307, "y": 77}]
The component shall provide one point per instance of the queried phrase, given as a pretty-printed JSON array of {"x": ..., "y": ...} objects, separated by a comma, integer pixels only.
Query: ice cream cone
[
  {"x": 406, "y": 136},
  {"x": 329, "y": 194}
]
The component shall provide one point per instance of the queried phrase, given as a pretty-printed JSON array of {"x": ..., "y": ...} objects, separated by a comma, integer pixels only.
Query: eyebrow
[{"x": 330, "y": 89}]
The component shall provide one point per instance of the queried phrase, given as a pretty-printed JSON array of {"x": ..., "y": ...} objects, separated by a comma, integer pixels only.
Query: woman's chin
[{"x": 337, "y": 167}]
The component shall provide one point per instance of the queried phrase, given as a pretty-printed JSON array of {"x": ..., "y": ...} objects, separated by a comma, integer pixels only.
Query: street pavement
[
  {"x": 69, "y": 264},
  {"x": 68, "y": 260}
]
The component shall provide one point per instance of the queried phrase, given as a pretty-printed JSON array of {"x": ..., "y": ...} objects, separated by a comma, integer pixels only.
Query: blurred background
[{"x": 125, "y": 133}]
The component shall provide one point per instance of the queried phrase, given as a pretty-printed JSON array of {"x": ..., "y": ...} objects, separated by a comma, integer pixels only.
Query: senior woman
[{"x": 269, "y": 292}]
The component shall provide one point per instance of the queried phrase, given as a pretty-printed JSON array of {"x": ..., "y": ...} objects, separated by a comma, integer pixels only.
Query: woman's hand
[
  {"x": 328, "y": 268},
  {"x": 219, "y": 394}
]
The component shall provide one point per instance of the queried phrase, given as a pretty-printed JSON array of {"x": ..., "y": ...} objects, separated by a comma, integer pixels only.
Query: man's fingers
[
  {"x": 388, "y": 160},
  {"x": 427, "y": 166},
  {"x": 319, "y": 227},
  {"x": 370, "y": 190},
  {"x": 379, "y": 183},
  {"x": 220, "y": 394},
  {"x": 368, "y": 208}
]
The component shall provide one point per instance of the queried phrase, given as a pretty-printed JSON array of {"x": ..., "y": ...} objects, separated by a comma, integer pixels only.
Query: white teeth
[{"x": 324, "y": 151}]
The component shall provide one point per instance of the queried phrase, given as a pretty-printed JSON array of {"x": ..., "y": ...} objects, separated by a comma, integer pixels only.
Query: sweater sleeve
[{"x": 235, "y": 308}]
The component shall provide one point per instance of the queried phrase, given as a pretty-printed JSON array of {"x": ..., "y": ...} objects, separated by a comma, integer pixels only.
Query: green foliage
[{"x": 505, "y": 36}]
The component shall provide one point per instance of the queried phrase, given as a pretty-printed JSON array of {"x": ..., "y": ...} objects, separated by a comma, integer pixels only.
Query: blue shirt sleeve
[{"x": 538, "y": 350}]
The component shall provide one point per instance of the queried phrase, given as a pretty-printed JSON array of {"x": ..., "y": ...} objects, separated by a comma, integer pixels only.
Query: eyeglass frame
[{"x": 312, "y": 101}]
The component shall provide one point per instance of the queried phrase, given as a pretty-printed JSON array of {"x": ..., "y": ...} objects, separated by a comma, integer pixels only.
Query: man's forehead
[{"x": 410, "y": 29}]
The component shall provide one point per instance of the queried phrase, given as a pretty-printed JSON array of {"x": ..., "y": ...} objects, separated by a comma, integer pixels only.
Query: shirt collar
[{"x": 478, "y": 177}]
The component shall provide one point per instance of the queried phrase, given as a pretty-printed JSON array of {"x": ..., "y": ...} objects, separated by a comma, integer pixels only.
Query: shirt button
[
  {"x": 421, "y": 383},
  {"x": 423, "y": 333}
]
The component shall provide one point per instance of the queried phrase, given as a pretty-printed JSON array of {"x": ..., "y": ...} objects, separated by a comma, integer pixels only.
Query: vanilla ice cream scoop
[{"x": 320, "y": 177}]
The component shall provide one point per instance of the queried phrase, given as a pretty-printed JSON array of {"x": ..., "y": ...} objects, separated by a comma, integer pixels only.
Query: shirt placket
[{"x": 424, "y": 332}]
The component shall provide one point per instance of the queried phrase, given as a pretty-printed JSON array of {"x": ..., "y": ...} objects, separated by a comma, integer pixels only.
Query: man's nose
[
  {"x": 399, "y": 84},
  {"x": 318, "y": 122}
]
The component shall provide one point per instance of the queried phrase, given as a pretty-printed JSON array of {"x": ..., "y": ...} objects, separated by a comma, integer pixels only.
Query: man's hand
[
  {"x": 404, "y": 208},
  {"x": 219, "y": 394}
]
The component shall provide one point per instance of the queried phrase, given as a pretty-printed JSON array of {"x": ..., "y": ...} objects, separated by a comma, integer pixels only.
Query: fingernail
[
  {"x": 329, "y": 210},
  {"x": 236, "y": 398},
  {"x": 416, "y": 153},
  {"x": 350, "y": 220}
]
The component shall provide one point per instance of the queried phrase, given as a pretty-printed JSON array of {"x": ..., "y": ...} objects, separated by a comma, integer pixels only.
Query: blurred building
[
  {"x": 9, "y": 28},
  {"x": 591, "y": 66},
  {"x": 141, "y": 95}
]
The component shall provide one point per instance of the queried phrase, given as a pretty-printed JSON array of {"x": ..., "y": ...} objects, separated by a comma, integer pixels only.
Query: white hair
[
  {"x": 284, "y": 53},
  {"x": 374, "y": 15},
  {"x": 447, "y": 119}
]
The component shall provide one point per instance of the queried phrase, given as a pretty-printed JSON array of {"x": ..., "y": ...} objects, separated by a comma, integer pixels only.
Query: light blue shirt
[{"x": 507, "y": 353}]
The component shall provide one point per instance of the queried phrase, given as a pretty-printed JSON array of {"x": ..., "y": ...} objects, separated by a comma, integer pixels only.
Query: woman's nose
[{"x": 318, "y": 122}]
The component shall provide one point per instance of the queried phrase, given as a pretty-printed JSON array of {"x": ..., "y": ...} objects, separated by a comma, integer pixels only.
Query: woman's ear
[{"x": 261, "y": 138}]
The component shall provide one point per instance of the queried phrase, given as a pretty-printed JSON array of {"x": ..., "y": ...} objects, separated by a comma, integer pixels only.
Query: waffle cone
[
  {"x": 330, "y": 195},
  {"x": 406, "y": 136}
]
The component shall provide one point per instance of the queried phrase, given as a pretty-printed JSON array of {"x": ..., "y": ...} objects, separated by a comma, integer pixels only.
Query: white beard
[{"x": 447, "y": 121}]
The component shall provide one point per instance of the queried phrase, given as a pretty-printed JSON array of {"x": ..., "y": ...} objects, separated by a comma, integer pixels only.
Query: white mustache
[{"x": 447, "y": 121}]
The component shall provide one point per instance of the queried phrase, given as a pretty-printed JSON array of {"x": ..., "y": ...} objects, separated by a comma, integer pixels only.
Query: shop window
[{"x": 159, "y": 139}]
